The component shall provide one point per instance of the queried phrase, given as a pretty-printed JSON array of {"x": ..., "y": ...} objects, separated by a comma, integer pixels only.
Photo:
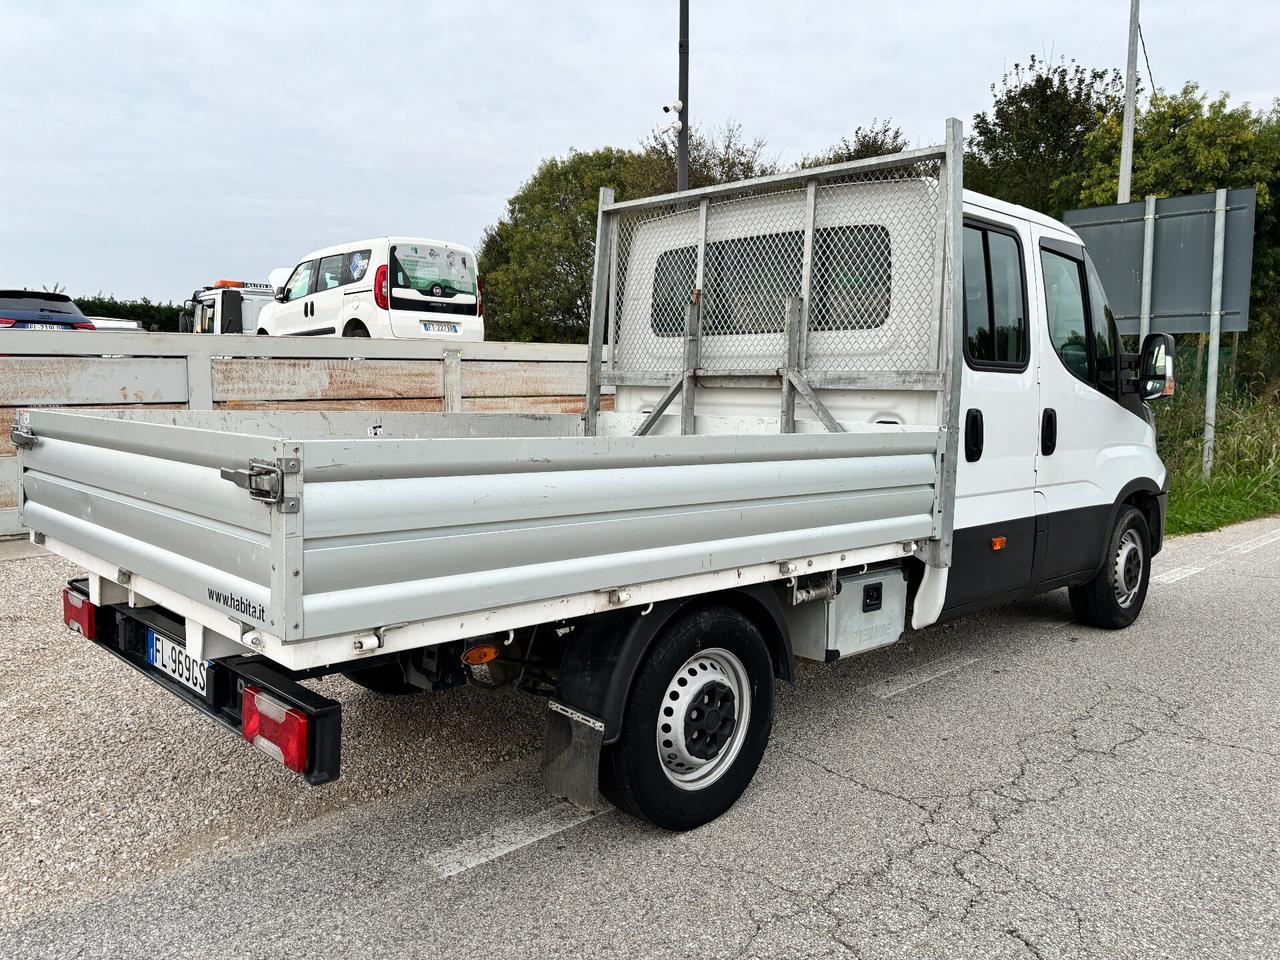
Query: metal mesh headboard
[
  {"x": 857, "y": 250},
  {"x": 833, "y": 277}
]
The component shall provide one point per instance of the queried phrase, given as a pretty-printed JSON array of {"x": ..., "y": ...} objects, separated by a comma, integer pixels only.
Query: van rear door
[{"x": 433, "y": 290}]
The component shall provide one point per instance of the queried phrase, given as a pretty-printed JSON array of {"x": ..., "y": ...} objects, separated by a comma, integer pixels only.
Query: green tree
[
  {"x": 153, "y": 316},
  {"x": 1028, "y": 149},
  {"x": 1185, "y": 143},
  {"x": 879, "y": 138},
  {"x": 535, "y": 263}
]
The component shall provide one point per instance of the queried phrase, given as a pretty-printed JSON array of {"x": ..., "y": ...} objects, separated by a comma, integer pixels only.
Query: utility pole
[
  {"x": 1130, "y": 95},
  {"x": 682, "y": 138}
]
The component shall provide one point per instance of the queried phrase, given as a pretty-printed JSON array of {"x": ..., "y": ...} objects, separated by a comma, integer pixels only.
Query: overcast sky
[{"x": 155, "y": 147}]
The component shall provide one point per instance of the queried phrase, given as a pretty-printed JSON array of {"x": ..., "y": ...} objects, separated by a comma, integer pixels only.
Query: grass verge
[{"x": 1245, "y": 482}]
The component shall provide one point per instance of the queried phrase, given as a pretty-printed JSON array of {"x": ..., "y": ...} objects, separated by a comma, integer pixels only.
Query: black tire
[
  {"x": 355, "y": 330},
  {"x": 384, "y": 678},
  {"x": 1114, "y": 597},
  {"x": 734, "y": 657}
]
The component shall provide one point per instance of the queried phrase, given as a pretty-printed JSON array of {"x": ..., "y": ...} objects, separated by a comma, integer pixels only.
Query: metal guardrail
[{"x": 205, "y": 372}]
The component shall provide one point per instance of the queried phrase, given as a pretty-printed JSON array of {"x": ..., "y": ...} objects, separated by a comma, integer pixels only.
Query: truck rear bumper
[{"x": 127, "y": 634}]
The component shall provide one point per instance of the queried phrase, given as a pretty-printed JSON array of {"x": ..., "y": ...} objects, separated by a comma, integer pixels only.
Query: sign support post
[{"x": 1215, "y": 329}]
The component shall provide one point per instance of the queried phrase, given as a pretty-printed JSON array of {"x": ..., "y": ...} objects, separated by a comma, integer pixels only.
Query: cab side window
[
  {"x": 1106, "y": 340},
  {"x": 299, "y": 284},
  {"x": 329, "y": 274},
  {"x": 995, "y": 304},
  {"x": 1064, "y": 304}
]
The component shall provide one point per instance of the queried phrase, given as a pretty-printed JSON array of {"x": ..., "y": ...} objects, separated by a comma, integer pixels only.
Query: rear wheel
[
  {"x": 696, "y": 722},
  {"x": 1114, "y": 597},
  {"x": 384, "y": 678},
  {"x": 355, "y": 330}
]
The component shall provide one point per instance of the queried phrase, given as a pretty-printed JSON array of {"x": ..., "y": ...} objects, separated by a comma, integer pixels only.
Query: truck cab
[
  {"x": 228, "y": 306},
  {"x": 1056, "y": 439}
]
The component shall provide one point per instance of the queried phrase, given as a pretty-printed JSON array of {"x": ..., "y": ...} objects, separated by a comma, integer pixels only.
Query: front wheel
[
  {"x": 1114, "y": 597},
  {"x": 696, "y": 721}
]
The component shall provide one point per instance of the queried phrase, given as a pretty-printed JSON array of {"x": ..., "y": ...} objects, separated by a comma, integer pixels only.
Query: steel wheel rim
[
  {"x": 711, "y": 689},
  {"x": 1127, "y": 575}
]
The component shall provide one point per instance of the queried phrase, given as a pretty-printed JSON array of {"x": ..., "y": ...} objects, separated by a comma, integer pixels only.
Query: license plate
[
  {"x": 171, "y": 658},
  {"x": 431, "y": 327},
  {"x": 43, "y": 326}
]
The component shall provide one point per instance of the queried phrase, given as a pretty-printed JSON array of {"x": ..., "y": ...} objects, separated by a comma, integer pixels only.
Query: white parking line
[
  {"x": 1235, "y": 550},
  {"x": 1176, "y": 574},
  {"x": 909, "y": 679},
  {"x": 509, "y": 837},
  {"x": 1257, "y": 542}
]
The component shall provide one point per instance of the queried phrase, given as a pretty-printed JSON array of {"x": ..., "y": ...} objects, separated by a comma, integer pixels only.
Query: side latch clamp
[
  {"x": 265, "y": 482},
  {"x": 22, "y": 437}
]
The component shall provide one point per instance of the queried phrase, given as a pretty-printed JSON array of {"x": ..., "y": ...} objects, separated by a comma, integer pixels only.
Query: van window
[
  {"x": 1064, "y": 303},
  {"x": 357, "y": 265},
  {"x": 299, "y": 284},
  {"x": 673, "y": 281},
  {"x": 329, "y": 273},
  {"x": 748, "y": 280},
  {"x": 995, "y": 315},
  {"x": 434, "y": 271}
]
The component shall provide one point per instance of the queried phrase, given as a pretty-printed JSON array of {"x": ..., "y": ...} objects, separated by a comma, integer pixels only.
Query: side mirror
[
  {"x": 1155, "y": 367},
  {"x": 280, "y": 294}
]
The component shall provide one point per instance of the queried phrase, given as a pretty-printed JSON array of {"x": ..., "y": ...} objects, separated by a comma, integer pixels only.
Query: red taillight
[
  {"x": 479, "y": 297},
  {"x": 78, "y": 612},
  {"x": 84, "y": 325},
  {"x": 7, "y": 322},
  {"x": 275, "y": 728},
  {"x": 381, "y": 292}
]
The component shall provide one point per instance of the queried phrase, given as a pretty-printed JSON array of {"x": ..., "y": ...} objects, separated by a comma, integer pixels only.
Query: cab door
[
  {"x": 293, "y": 314},
  {"x": 994, "y": 542},
  {"x": 326, "y": 302},
  {"x": 1092, "y": 441}
]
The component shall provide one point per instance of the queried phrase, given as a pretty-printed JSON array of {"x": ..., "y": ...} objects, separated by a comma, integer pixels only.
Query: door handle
[
  {"x": 973, "y": 435},
  {"x": 1048, "y": 431}
]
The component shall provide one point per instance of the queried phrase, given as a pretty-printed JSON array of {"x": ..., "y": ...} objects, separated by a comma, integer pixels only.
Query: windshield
[{"x": 434, "y": 270}]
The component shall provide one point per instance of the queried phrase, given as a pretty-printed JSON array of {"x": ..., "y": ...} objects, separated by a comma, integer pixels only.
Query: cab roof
[{"x": 984, "y": 202}]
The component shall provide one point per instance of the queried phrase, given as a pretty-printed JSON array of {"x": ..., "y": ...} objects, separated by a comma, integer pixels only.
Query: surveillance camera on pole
[
  {"x": 673, "y": 107},
  {"x": 675, "y": 126}
]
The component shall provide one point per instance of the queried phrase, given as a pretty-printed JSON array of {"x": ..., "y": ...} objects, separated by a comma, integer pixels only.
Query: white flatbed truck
[{"x": 824, "y": 431}]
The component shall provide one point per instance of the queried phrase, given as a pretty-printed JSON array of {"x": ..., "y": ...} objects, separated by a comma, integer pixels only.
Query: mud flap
[{"x": 571, "y": 756}]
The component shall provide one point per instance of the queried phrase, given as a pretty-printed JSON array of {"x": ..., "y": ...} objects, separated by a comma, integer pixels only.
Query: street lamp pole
[
  {"x": 682, "y": 138},
  {"x": 1130, "y": 95}
]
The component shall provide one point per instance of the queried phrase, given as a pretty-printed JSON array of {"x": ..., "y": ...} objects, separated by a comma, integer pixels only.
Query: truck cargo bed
[{"x": 363, "y": 521}]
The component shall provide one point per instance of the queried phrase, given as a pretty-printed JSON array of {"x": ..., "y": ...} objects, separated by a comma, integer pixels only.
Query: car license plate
[
  {"x": 432, "y": 327},
  {"x": 171, "y": 658},
  {"x": 43, "y": 326}
]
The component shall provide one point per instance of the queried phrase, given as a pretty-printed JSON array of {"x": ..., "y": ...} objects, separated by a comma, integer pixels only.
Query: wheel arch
[
  {"x": 602, "y": 657},
  {"x": 1148, "y": 497}
]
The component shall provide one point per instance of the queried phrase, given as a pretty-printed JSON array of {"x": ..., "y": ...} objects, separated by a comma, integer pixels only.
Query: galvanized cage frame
[{"x": 794, "y": 371}]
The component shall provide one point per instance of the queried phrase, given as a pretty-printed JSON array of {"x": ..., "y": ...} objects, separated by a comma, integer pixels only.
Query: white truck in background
[
  {"x": 228, "y": 306},
  {"x": 848, "y": 399}
]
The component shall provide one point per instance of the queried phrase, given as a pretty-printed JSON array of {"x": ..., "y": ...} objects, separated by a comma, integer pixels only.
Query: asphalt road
[{"x": 1014, "y": 785}]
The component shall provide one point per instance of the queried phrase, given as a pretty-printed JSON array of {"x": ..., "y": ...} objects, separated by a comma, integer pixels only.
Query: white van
[{"x": 405, "y": 287}]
